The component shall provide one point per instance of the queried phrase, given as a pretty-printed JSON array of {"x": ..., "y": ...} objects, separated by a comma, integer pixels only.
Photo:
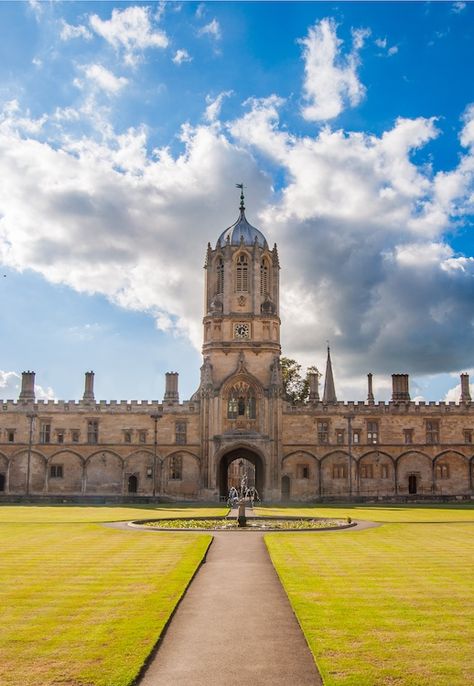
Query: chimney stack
[
  {"x": 370, "y": 392},
  {"x": 400, "y": 391},
  {"x": 171, "y": 391},
  {"x": 465, "y": 390},
  {"x": 27, "y": 386},
  {"x": 313, "y": 387},
  {"x": 89, "y": 386}
]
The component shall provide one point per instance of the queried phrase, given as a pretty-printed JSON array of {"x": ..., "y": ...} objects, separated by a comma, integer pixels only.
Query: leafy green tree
[{"x": 295, "y": 386}]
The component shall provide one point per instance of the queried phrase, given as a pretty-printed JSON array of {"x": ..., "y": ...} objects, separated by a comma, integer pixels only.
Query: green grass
[
  {"x": 449, "y": 512},
  {"x": 82, "y": 604},
  {"x": 102, "y": 513},
  {"x": 391, "y": 606}
]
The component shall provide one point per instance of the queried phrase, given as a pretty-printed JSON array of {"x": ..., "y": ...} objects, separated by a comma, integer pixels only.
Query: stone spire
[{"x": 329, "y": 395}]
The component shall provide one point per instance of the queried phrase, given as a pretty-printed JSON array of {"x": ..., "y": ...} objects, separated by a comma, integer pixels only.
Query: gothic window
[
  {"x": 142, "y": 436},
  {"x": 11, "y": 435},
  {"x": 340, "y": 436},
  {"x": 442, "y": 471},
  {"x": 356, "y": 436},
  {"x": 323, "y": 432},
  {"x": 92, "y": 431},
  {"x": 366, "y": 471},
  {"x": 432, "y": 431},
  {"x": 60, "y": 435},
  {"x": 241, "y": 401},
  {"x": 242, "y": 274},
  {"x": 264, "y": 289},
  {"x": 220, "y": 277},
  {"x": 56, "y": 471},
  {"x": 468, "y": 433},
  {"x": 127, "y": 436},
  {"x": 176, "y": 468},
  {"x": 45, "y": 432},
  {"x": 303, "y": 471},
  {"x": 339, "y": 471},
  {"x": 180, "y": 433},
  {"x": 408, "y": 436},
  {"x": 372, "y": 432},
  {"x": 74, "y": 435}
]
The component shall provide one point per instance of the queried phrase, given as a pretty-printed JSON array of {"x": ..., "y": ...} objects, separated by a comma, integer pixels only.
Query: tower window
[
  {"x": 263, "y": 278},
  {"x": 220, "y": 277},
  {"x": 241, "y": 402},
  {"x": 242, "y": 274}
]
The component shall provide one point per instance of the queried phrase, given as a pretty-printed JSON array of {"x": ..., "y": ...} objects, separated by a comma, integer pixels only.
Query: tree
[{"x": 295, "y": 386}]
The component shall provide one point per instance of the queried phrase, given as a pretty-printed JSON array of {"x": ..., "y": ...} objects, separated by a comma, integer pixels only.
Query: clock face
[{"x": 241, "y": 330}]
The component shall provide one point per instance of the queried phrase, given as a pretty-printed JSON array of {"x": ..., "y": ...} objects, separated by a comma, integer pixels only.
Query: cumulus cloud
[
  {"x": 359, "y": 223},
  {"x": 214, "y": 105},
  {"x": 212, "y": 29},
  {"x": 181, "y": 56},
  {"x": 10, "y": 386},
  {"x": 102, "y": 78},
  {"x": 458, "y": 7},
  {"x": 370, "y": 269},
  {"x": 331, "y": 81},
  {"x": 69, "y": 31},
  {"x": 130, "y": 30},
  {"x": 386, "y": 49}
]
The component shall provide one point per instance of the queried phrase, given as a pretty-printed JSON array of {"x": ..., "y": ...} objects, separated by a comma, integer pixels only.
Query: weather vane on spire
[{"x": 241, "y": 186}]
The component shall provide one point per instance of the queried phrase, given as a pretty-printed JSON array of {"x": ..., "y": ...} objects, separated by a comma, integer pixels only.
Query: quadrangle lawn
[
  {"x": 82, "y": 604},
  {"x": 389, "y": 606}
]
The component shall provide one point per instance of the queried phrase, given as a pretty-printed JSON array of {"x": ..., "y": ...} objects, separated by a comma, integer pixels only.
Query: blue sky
[{"x": 123, "y": 130}]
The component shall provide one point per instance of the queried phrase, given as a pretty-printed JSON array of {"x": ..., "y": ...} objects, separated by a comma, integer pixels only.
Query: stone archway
[{"x": 238, "y": 454}]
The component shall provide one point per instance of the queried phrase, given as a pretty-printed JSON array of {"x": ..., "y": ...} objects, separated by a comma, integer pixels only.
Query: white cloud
[
  {"x": 130, "y": 30},
  {"x": 370, "y": 268},
  {"x": 212, "y": 29},
  {"x": 10, "y": 383},
  {"x": 103, "y": 78},
  {"x": 454, "y": 394},
  {"x": 85, "y": 332},
  {"x": 181, "y": 56},
  {"x": 331, "y": 81},
  {"x": 69, "y": 31},
  {"x": 387, "y": 50},
  {"x": 458, "y": 7},
  {"x": 10, "y": 386},
  {"x": 214, "y": 105}
]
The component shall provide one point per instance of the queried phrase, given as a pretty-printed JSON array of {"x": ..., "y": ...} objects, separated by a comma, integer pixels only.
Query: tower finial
[
  {"x": 241, "y": 186},
  {"x": 329, "y": 395}
]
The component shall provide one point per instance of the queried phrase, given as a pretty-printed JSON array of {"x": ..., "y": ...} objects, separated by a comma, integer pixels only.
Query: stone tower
[{"x": 240, "y": 376}]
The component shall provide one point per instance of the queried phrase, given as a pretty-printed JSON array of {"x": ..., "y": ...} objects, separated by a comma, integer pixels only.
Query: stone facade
[{"x": 321, "y": 449}]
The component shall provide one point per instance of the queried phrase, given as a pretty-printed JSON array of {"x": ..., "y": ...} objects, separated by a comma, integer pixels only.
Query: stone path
[{"x": 234, "y": 626}]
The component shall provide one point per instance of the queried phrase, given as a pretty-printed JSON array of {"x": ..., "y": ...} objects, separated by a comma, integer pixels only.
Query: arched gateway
[{"x": 240, "y": 454}]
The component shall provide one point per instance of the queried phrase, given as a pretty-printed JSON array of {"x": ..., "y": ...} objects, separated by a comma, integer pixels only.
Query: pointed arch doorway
[{"x": 246, "y": 455}]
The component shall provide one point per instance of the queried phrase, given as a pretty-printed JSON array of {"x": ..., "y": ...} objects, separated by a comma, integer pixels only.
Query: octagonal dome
[{"x": 242, "y": 231}]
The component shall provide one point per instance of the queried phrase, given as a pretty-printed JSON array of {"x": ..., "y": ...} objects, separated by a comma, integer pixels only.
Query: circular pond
[{"x": 252, "y": 524}]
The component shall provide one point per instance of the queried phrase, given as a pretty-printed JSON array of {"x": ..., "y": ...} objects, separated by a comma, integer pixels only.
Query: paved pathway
[{"x": 234, "y": 626}]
